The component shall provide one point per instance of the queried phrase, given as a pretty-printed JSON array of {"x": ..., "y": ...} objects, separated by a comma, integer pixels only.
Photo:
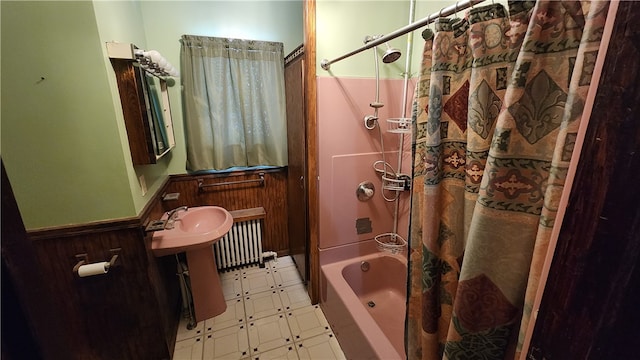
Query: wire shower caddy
[{"x": 391, "y": 242}]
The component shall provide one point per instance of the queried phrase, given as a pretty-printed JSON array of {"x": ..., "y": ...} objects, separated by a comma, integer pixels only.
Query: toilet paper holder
[{"x": 83, "y": 259}]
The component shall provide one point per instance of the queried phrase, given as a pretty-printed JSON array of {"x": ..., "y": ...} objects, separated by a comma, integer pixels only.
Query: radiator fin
[{"x": 242, "y": 245}]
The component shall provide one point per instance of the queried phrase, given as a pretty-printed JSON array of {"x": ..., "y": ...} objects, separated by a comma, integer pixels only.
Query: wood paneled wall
[
  {"x": 590, "y": 308},
  {"x": 272, "y": 197},
  {"x": 132, "y": 312},
  {"x": 25, "y": 294},
  {"x": 113, "y": 316}
]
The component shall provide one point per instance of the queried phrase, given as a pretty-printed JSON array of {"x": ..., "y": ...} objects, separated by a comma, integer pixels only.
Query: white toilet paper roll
[{"x": 93, "y": 269}]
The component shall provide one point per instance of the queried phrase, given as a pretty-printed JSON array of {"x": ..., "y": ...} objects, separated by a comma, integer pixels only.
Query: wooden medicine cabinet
[{"x": 145, "y": 106}]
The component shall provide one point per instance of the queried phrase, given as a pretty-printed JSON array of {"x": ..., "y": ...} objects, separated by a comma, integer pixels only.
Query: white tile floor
[{"x": 269, "y": 316}]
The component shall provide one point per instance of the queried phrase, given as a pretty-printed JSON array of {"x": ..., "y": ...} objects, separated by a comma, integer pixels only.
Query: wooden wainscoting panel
[
  {"x": 162, "y": 276},
  {"x": 111, "y": 316},
  {"x": 272, "y": 197},
  {"x": 590, "y": 309},
  {"x": 26, "y": 293},
  {"x": 132, "y": 312}
]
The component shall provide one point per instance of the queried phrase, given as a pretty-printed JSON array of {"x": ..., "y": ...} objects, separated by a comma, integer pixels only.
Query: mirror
[
  {"x": 159, "y": 115},
  {"x": 145, "y": 106}
]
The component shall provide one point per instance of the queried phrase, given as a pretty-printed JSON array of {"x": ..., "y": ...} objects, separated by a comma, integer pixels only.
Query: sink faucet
[{"x": 172, "y": 215}]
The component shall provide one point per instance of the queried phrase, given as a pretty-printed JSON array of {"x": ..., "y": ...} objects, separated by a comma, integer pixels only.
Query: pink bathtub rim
[{"x": 355, "y": 328}]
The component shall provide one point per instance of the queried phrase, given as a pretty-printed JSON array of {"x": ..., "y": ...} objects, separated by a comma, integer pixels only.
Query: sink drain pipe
[{"x": 185, "y": 290}]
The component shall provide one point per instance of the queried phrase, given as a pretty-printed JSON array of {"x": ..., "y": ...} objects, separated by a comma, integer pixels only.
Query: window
[{"x": 234, "y": 103}]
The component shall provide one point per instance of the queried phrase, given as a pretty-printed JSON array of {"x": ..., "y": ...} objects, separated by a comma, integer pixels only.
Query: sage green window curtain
[{"x": 234, "y": 103}]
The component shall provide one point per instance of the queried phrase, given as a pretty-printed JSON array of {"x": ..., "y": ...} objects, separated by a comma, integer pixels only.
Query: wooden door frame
[
  {"x": 310, "y": 106},
  {"x": 296, "y": 191},
  {"x": 32, "y": 292},
  {"x": 589, "y": 307}
]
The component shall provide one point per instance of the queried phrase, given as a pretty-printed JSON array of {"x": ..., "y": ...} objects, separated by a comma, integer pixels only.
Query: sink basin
[
  {"x": 193, "y": 233},
  {"x": 195, "y": 228}
]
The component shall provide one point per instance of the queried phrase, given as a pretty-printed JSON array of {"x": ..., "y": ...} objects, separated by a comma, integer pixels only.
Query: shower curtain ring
[{"x": 456, "y": 10}]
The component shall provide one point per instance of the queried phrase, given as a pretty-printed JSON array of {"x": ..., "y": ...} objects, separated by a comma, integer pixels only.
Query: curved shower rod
[{"x": 449, "y": 10}]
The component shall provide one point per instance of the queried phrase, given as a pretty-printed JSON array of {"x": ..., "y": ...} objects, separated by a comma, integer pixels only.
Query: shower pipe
[
  {"x": 444, "y": 12},
  {"x": 370, "y": 121},
  {"x": 405, "y": 91},
  {"x": 450, "y": 10}
]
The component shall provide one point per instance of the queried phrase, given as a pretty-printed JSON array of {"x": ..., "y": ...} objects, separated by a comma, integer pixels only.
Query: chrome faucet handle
[
  {"x": 171, "y": 216},
  {"x": 172, "y": 213}
]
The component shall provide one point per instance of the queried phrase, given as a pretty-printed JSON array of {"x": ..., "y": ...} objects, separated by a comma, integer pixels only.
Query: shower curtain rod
[{"x": 449, "y": 10}]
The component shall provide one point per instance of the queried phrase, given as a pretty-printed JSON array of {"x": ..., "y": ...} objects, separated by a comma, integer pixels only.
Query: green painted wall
[
  {"x": 60, "y": 141},
  {"x": 122, "y": 21},
  {"x": 343, "y": 24},
  {"x": 63, "y": 139}
]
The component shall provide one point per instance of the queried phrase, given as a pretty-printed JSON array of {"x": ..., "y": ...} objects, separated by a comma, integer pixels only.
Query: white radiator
[{"x": 242, "y": 245}]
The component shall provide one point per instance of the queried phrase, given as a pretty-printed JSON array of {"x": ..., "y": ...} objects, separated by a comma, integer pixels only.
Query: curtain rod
[{"x": 449, "y": 10}]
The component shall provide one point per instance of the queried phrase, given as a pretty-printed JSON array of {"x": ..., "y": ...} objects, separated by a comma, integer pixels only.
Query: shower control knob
[{"x": 365, "y": 191}]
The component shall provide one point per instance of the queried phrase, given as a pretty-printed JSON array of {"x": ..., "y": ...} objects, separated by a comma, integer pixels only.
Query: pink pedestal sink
[{"x": 194, "y": 231}]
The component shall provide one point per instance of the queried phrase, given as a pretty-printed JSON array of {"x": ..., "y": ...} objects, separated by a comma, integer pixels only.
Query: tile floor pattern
[{"x": 269, "y": 316}]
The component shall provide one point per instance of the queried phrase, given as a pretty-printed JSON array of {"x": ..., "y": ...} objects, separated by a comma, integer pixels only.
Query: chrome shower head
[{"x": 391, "y": 55}]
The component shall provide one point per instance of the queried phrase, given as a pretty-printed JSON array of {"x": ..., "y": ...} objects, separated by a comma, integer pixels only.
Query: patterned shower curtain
[{"x": 496, "y": 113}]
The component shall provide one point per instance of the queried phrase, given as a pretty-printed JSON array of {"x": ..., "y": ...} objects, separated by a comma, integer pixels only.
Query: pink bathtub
[{"x": 366, "y": 309}]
